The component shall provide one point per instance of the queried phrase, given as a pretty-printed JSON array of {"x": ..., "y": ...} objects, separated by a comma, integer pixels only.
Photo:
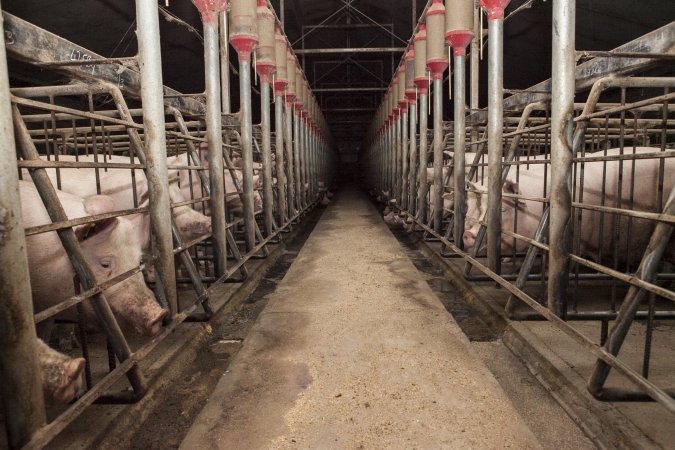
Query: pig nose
[
  {"x": 469, "y": 238},
  {"x": 154, "y": 326}
]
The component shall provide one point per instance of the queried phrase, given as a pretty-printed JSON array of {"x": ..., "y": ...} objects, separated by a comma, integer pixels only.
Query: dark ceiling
[{"x": 107, "y": 27}]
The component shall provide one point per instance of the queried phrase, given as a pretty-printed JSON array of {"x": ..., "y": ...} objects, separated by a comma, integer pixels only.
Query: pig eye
[{"x": 105, "y": 264}]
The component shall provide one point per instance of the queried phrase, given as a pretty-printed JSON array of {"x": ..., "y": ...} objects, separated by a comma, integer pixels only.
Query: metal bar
[
  {"x": 423, "y": 187},
  {"x": 404, "y": 157},
  {"x": 495, "y": 117},
  {"x": 459, "y": 159},
  {"x": 21, "y": 387},
  {"x": 349, "y": 50},
  {"x": 282, "y": 208},
  {"x": 24, "y": 37},
  {"x": 642, "y": 55},
  {"x": 214, "y": 132},
  {"x": 297, "y": 147},
  {"x": 412, "y": 173},
  {"x": 288, "y": 138},
  {"x": 86, "y": 62},
  {"x": 266, "y": 124},
  {"x": 247, "y": 151},
  {"x": 661, "y": 40},
  {"x": 438, "y": 153},
  {"x": 224, "y": 63},
  {"x": 149, "y": 56},
  {"x": 648, "y": 267},
  {"x": 356, "y": 89}
]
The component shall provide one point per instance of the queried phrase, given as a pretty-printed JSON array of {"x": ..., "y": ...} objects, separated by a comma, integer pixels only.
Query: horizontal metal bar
[
  {"x": 596, "y": 53},
  {"x": 86, "y": 62},
  {"x": 348, "y": 50},
  {"x": 368, "y": 89}
]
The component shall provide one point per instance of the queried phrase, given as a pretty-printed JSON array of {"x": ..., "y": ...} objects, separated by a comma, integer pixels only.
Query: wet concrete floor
[{"x": 354, "y": 350}]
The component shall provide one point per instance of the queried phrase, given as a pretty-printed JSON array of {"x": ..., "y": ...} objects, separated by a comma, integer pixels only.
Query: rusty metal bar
[
  {"x": 21, "y": 387},
  {"x": 149, "y": 55}
]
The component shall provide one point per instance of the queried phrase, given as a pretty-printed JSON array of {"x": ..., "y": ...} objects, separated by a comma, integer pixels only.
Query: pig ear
[
  {"x": 510, "y": 187},
  {"x": 74, "y": 368},
  {"x": 449, "y": 195},
  {"x": 84, "y": 232},
  {"x": 98, "y": 204}
]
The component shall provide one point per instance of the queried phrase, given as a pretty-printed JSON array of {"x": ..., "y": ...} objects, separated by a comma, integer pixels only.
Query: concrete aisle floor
[{"x": 354, "y": 350}]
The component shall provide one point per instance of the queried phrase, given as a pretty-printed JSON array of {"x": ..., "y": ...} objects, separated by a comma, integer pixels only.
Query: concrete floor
[{"x": 354, "y": 350}]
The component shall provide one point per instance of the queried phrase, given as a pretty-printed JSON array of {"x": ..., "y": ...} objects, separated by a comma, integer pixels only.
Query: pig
[
  {"x": 448, "y": 202},
  {"x": 190, "y": 185},
  {"x": 111, "y": 247},
  {"x": 529, "y": 212},
  {"x": 393, "y": 220},
  {"x": 62, "y": 376},
  {"x": 117, "y": 183}
]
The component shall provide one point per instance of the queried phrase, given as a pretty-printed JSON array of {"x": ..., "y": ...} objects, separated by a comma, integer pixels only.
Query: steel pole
[
  {"x": 288, "y": 119},
  {"x": 396, "y": 148},
  {"x": 475, "y": 72},
  {"x": 412, "y": 173},
  {"x": 214, "y": 134},
  {"x": 281, "y": 174},
  {"x": 459, "y": 157},
  {"x": 423, "y": 188},
  {"x": 562, "y": 112},
  {"x": 404, "y": 158},
  {"x": 224, "y": 63},
  {"x": 247, "y": 151},
  {"x": 152, "y": 98},
  {"x": 438, "y": 154},
  {"x": 21, "y": 386},
  {"x": 495, "y": 118},
  {"x": 297, "y": 145},
  {"x": 266, "y": 124}
]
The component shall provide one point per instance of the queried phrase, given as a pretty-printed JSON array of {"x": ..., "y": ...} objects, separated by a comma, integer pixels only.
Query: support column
[
  {"x": 224, "y": 63},
  {"x": 495, "y": 120},
  {"x": 214, "y": 132},
  {"x": 21, "y": 386},
  {"x": 562, "y": 112},
  {"x": 152, "y": 98}
]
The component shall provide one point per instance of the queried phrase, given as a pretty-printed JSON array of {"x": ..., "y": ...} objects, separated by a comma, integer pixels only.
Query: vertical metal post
[
  {"x": 152, "y": 98},
  {"x": 413, "y": 158},
  {"x": 224, "y": 64},
  {"x": 423, "y": 189},
  {"x": 562, "y": 111},
  {"x": 288, "y": 117},
  {"x": 404, "y": 158},
  {"x": 459, "y": 158},
  {"x": 281, "y": 174},
  {"x": 21, "y": 386},
  {"x": 296, "y": 154},
  {"x": 266, "y": 123},
  {"x": 247, "y": 151},
  {"x": 396, "y": 149},
  {"x": 495, "y": 119},
  {"x": 438, "y": 153},
  {"x": 475, "y": 72},
  {"x": 215, "y": 141}
]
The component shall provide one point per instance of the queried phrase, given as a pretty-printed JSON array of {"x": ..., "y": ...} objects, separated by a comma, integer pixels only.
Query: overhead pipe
[
  {"x": 459, "y": 26},
  {"x": 437, "y": 62},
  {"x": 210, "y": 11},
  {"x": 265, "y": 63},
  {"x": 280, "y": 85},
  {"x": 562, "y": 115},
  {"x": 21, "y": 387},
  {"x": 422, "y": 83},
  {"x": 495, "y": 10}
]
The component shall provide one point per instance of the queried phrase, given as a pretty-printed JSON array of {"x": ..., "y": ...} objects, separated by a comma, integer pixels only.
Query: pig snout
[
  {"x": 154, "y": 325},
  {"x": 469, "y": 238}
]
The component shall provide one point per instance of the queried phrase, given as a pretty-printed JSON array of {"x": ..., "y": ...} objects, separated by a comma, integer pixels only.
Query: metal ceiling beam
[
  {"x": 319, "y": 51},
  {"x": 34, "y": 45}
]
